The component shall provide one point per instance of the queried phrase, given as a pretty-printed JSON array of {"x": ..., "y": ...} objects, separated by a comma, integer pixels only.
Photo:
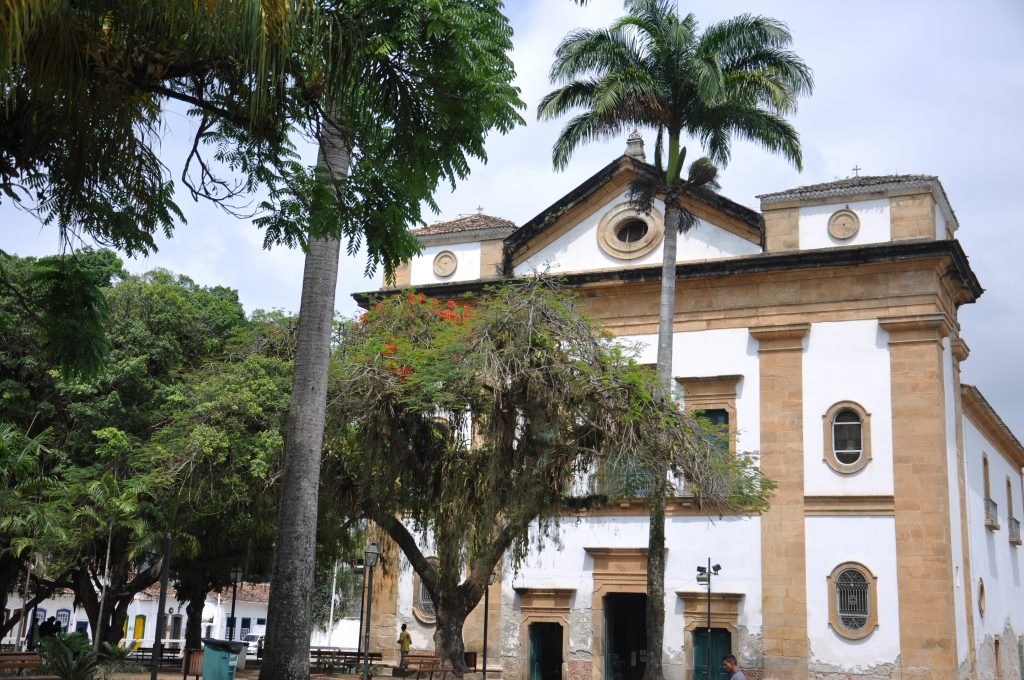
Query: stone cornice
[
  {"x": 782, "y": 338},
  {"x": 854, "y": 506},
  {"x": 916, "y": 329},
  {"x": 852, "y": 256}
]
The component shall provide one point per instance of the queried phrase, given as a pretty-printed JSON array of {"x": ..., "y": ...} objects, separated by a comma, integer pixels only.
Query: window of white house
[
  {"x": 847, "y": 437},
  {"x": 853, "y": 601}
]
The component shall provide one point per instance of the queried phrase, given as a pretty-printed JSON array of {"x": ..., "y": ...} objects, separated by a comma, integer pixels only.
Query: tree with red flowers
[{"x": 478, "y": 426}]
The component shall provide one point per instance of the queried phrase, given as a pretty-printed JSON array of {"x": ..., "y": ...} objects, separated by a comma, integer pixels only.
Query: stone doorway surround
[
  {"x": 725, "y": 613},
  {"x": 543, "y": 605},
  {"x": 616, "y": 570}
]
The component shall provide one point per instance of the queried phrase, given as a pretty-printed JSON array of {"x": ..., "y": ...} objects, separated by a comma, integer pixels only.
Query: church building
[{"x": 822, "y": 332}]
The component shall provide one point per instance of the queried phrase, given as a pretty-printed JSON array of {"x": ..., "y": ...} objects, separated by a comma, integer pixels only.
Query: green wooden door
[{"x": 721, "y": 645}]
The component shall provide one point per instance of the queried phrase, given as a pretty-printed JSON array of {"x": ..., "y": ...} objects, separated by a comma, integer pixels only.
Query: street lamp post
[
  {"x": 360, "y": 568},
  {"x": 704, "y": 575},
  {"x": 487, "y": 591},
  {"x": 370, "y": 557},
  {"x": 236, "y": 574}
]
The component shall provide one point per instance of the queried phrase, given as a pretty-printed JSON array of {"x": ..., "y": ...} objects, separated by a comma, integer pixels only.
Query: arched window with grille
[
  {"x": 422, "y": 602},
  {"x": 853, "y": 601},
  {"x": 847, "y": 437}
]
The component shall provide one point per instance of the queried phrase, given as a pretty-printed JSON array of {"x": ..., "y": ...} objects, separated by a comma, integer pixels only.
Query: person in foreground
[{"x": 729, "y": 664}]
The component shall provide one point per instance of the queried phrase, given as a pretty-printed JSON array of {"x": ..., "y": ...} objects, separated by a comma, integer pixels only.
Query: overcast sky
[{"x": 901, "y": 87}]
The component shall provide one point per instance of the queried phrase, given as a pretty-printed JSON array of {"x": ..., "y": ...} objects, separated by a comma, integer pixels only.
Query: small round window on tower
[{"x": 631, "y": 231}]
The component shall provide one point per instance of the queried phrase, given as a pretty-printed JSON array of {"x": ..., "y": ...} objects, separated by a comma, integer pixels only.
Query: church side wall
[{"x": 994, "y": 561}]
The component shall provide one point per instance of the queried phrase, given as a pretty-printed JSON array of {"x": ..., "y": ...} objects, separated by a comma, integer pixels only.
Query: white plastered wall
[
  {"x": 421, "y": 269},
  {"x": 733, "y": 542},
  {"x": 728, "y": 351},
  {"x": 847, "y": 361},
  {"x": 578, "y": 250},
  {"x": 871, "y": 541},
  {"x": 940, "y": 225},
  {"x": 874, "y": 224},
  {"x": 993, "y": 558}
]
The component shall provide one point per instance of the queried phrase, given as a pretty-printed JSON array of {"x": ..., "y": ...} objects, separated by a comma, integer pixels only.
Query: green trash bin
[{"x": 220, "y": 658}]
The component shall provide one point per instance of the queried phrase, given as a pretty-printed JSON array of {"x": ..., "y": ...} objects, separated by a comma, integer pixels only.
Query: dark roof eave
[{"x": 754, "y": 264}]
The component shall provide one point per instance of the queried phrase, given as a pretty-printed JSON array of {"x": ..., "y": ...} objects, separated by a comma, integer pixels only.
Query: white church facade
[{"x": 823, "y": 331}]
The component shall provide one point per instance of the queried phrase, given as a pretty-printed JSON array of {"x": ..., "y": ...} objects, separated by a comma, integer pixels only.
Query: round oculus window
[
  {"x": 631, "y": 231},
  {"x": 445, "y": 263},
  {"x": 843, "y": 224},
  {"x": 626, "y": 234}
]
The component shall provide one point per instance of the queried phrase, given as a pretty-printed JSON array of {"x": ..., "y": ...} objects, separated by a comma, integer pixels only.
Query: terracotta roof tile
[
  {"x": 474, "y": 222},
  {"x": 850, "y": 183}
]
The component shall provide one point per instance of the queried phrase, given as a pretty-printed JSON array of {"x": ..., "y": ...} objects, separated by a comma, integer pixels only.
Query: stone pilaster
[
  {"x": 921, "y": 483},
  {"x": 783, "y": 557}
]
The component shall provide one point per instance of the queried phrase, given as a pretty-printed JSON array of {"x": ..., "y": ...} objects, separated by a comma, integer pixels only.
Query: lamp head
[
  {"x": 236, "y": 574},
  {"x": 371, "y": 555},
  {"x": 716, "y": 568},
  {"x": 702, "y": 570},
  {"x": 492, "y": 578}
]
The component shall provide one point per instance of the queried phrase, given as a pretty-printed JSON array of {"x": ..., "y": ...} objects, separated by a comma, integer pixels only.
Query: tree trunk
[
  {"x": 289, "y": 611},
  {"x": 196, "y": 594},
  {"x": 448, "y": 643},
  {"x": 659, "y": 487}
]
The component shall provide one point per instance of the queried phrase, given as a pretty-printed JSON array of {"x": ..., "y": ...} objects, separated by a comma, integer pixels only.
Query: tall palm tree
[{"x": 655, "y": 69}]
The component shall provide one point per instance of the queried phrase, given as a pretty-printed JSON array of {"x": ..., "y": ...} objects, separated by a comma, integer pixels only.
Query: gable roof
[
  {"x": 593, "y": 184},
  {"x": 859, "y": 185},
  {"x": 474, "y": 222}
]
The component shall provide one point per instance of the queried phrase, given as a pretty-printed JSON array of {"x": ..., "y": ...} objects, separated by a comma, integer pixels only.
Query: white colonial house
[
  {"x": 823, "y": 332},
  {"x": 141, "y": 628}
]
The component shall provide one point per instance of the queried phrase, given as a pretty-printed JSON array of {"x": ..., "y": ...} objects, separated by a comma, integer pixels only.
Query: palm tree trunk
[
  {"x": 659, "y": 487},
  {"x": 289, "y": 611}
]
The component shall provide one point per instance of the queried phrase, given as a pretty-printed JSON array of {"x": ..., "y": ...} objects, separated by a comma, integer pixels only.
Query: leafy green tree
[
  {"x": 398, "y": 95},
  {"x": 162, "y": 329},
  {"x": 478, "y": 426},
  {"x": 33, "y": 515},
  {"x": 222, "y": 445},
  {"x": 421, "y": 85},
  {"x": 655, "y": 69}
]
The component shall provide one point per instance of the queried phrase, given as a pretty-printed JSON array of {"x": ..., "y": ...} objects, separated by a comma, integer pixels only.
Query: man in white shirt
[{"x": 729, "y": 664}]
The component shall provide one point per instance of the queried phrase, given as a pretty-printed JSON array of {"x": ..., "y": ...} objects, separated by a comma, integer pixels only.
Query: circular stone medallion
[
  {"x": 843, "y": 224},
  {"x": 445, "y": 263}
]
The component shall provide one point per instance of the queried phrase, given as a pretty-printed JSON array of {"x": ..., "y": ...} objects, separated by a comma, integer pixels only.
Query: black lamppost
[
  {"x": 236, "y": 574},
  {"x": 704, "y": 575},
  {"x": 370, "y": 556},
  {"x": 360, "y": 568},
  {"x": 487, "y": 591}
]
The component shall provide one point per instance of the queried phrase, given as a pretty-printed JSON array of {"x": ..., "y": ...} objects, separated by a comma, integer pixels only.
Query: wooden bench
[
  {"x": 331, "y": 659},
  {"x": 426, "y": 663},
  {"x": 24, "y": 661},
  {"x": 144, "y": 657}
]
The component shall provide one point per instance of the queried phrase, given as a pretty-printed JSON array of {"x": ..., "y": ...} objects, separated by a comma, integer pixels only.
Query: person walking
[
  {"x": 730, "y": 666},
  {"x": 404, "y": 645}
]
